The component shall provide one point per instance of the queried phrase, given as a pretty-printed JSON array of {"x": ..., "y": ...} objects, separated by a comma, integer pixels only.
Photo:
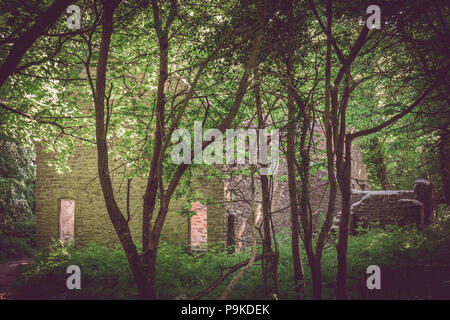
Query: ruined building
[{"x": 71, "y": 205}]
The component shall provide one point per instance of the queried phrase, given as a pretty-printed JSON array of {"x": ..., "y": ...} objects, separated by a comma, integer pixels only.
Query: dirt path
[{"x": 8, "y": 276}]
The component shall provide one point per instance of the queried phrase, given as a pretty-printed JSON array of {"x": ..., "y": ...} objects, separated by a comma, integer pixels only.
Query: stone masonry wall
[
  {"x": 384, "y": 207},
  {"x": 238, "y": 198},
  {"x": 92, "y": 222}
]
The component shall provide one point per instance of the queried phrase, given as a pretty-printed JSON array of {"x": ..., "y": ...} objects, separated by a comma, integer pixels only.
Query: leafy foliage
[
  {"x": 17, "y": 197},
  {"x": 48, "y": 99},
  {"x": 402, "y": 255}
]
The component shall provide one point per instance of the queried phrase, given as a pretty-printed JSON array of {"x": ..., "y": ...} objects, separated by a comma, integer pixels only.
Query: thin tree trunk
[
  {"x": 295, "y": 227},
  {"x": 316, "y": 269},
  {"x": 151, "y": 273},
  {"x": 377, "y": 159},
  {"x": 316, "y": 276},
  {"x": 151, "y": 236},
  {"x": 305, "y": 212},
  {"x": 117, "y": 219},
  {"x": 290, "y": 158},
  {"x": 344, "y": 179},
  {"x": 444, "y": 161},
  {"x": 241, "y": 273},
  {"x": 152, "y": 183},
  {"x": 266, "y": 265},
  {"x": 326, "y": 227}
]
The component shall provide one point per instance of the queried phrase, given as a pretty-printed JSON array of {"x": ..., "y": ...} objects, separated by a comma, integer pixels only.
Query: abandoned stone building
[
  {"x": 238, "y": 197},
  {"x": 71, "y": 205}
]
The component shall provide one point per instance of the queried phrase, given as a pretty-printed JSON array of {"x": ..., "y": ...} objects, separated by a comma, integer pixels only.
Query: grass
[{"x": 414, "y": 265}]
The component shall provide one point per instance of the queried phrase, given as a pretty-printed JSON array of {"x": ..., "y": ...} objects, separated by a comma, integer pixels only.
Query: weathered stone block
[{"x": 423, "y": 192}]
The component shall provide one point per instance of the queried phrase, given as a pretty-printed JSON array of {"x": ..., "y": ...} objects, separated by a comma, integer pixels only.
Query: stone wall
[
  {"x": 92, "y": 222},
  {"x": 238, "y": 197},
  {"x": 382, "y": 207},
  {"x": 395, "y": 207}
]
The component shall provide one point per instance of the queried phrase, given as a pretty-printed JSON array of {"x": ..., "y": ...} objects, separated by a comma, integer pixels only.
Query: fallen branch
[{"x": 222, "y": 277}]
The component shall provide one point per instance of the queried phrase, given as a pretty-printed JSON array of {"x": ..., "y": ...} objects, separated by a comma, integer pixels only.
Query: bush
[
  {"x": 17, "y": 200},
  {"x": 414, "y": 264},
  {"x": 105, "y": 273},
  {"x": 17, "y": 239}
]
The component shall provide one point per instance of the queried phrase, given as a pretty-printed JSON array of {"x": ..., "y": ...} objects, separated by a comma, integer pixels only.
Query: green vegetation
[
  {"x": 414, "y": 265},
  {"x": 17, "y": 194},
  {"x": 281, "y": 64}
]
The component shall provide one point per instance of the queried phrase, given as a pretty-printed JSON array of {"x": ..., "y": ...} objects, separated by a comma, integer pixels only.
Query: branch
[
  {"x": 222, "y": 277},
  {"x": 26, "y": 40},
  {"x": 128, "y": 200},
  {"x": 227, "y": 121},
  {"x": 394, "y": 118},
  {"x": 329, "y": 34},
  {"x": 41, "y": 121}
]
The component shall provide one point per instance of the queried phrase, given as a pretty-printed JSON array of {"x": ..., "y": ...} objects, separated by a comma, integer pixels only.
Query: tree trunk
[
  {"x": 304, "y": 202},
  {"x": 344, "y": 179},
  {"x": 153, "y": 178},
  {"x": 316, "y": 276},
  {"x": 116, "y": 217},
  {"x": 290, "y": 157},
  {"x": 266, "y": 262},
  {"x": 295, "y": 227},
  {"x": 151, "y": 236},
  {"x": 444, "y": 161},
  {"x": 151, "y": 274},
  {"x": 377, "y": 159},
  {"x": 231, "y": 236},
  {"x": 326, "y": 227}
]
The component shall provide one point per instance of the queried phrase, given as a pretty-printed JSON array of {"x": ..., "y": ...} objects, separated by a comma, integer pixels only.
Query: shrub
[
  {"x": 17, "y": 239},
  {"x": 17, "y": 200},
  {"x": 414, "y": 264}
]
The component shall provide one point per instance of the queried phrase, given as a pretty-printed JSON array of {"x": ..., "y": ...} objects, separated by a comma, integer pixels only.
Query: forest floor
[{"x": 9, "y": 276}]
